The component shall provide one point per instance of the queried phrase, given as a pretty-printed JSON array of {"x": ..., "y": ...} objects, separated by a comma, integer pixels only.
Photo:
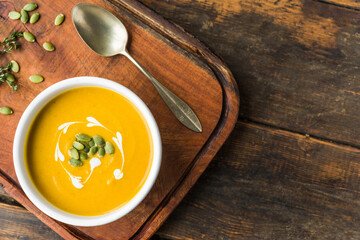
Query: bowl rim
[{"x": 19, "y": 144}]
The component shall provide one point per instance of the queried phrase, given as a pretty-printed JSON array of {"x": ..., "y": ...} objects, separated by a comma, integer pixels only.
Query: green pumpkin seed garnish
[
  {"x": 6, "y": 111},
  {"x": 34, "y": 18},
  {"x": 91, "y": 143},
  {"x": 83, "y": 156},
  {"x": 101, "y": 152},
  {"x": 30, "y": 7},
  {"x": 75, "y": 162},
  {"x": 93, "y": 151},
  {"x": 78, "y": 145},
  {"x": 29, "y": 37},
  {"x": 36, "y": 78},
  {"x": 83, "y": 137},
  {"x": 14, "y": 15},
  {"x": 48, "y": 46},
  {"x": 99, "y": 141},
  {"x": 15, "y": 66},
  {"x": 59, "y": 19},
  {"x": 86, "y": 146},
  {"x": 24, "y": 16},
  {"x": 86, "y": 149},
  {"x": 74, "y": 153},
  {"x": 10, "y": 77},
  {"x": 109, "y": 148}
]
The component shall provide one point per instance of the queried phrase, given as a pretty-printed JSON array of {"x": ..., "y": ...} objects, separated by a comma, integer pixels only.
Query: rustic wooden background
[{"x": 291, "y": 168}]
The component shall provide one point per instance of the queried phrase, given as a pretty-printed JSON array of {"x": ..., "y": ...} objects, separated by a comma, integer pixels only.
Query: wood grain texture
[
  {"x": 185, "y": 153},
  {"x": 271, "y": 184},
  {"x": 18, "y": 223},
  {"x": 296, "y": 62}
]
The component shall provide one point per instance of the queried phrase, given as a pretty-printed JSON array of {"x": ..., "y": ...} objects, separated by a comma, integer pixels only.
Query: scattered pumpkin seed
[
  {"x": 30, "y": 7},
  {"x": 91, "y": 143},
  {"x": 29, "y": 37},
  {"x": 24, "y": 16},
  {"x": 34, "y": 18},
  {"x": 15, "y": 66},
  {"x": 59, "y": 19},
  {"x": 93, "y": 151},
  {"x": 99, "y": 141},
  {"x": 14, "y": 15},
  {"x": 74, "y": 153},
  {"x": 78, "y": 145},
  {"x": 101, "y": 152},
  {"x": 36, "y": 78},
  {"x": 109, "y": 148},
  {"x": 83, "y": 137},
  {"x": 75, "y": 162},
  {"x": 48, "y": 46},
  {"x": 83, "y": 156},
  {"x": 6, "y": 111},
  {"x": 10, "y": 77}
]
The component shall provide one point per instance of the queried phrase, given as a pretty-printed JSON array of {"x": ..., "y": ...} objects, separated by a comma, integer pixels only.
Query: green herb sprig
[
  {"x": 4, "y": 76},
  {"x": 10, "y": 43}
]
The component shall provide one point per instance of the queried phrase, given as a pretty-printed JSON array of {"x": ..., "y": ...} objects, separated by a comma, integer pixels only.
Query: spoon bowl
[{"x": 104, "y": 33}]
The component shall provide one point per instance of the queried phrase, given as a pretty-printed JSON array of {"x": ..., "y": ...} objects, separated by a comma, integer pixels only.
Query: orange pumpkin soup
[{"x": 102, "y": 183}]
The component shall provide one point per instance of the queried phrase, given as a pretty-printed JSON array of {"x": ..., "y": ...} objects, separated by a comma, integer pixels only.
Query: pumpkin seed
[
  {"x": 30, "y": 7},
  {"x": 83, "y": 156},
  {"x": 14, "y": 15},
  {"x": 109, "y": 148},
  {"x": 24, "y": 16},
  {"x": 76, "y": 162},
  {"x": 83, "y": 137},
  {"x": 34, "y": 18},
  {"x": 78, "y": 145},
  {"x": 91, "y": 143},
  {"x": 36, "y": 78},
  {"x": 101, "y": 152},
  {"x": 74, "y": 153},
  {"x": 10, "y": 77},
  {"x": 48, "y": 46},
  {"x": 6, "y": 111},
  {"x": 99, "y": 141},
  {"x": 59, "y": 19},
  {"x": 86, "y": 149},
  {"x": 86, "y": 146},
  {"x": 15, "y": 66},
  {"x": 93, "y": 151},
  {"x": 29, "y": 37}
]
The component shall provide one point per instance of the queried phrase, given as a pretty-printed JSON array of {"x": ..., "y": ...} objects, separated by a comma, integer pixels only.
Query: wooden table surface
[{"x": 291, "y": 168}]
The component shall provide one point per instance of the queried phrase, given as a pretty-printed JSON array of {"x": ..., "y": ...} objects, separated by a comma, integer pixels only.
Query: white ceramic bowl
[{"x": 19, "y": 144}]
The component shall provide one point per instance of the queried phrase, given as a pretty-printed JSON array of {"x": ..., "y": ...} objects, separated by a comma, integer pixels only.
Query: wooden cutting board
[{"x": 174, "y": 57}]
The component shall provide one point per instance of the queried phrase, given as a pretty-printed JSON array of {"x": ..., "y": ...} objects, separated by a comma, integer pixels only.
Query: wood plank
[
  {"x": 272, "y": 184},
  {"x": 18, "y": 223},
  {"x": 296, "y": 62}
]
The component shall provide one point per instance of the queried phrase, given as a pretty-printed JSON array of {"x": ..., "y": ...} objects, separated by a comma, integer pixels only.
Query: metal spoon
[{"x": 107, "y": 36}]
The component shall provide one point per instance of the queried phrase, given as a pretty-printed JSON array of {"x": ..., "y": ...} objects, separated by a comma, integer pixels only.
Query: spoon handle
[{"x": 178, "y": 107}]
